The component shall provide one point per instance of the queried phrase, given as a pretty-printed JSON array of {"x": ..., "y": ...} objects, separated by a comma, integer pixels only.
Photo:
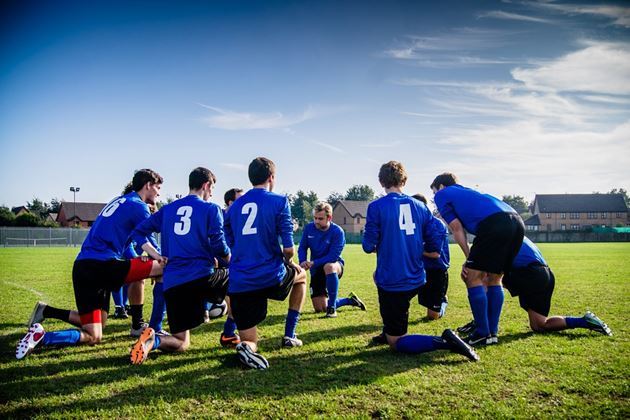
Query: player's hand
[
  {"x": 295, "y": 266},
  {"x": 464, "y": 273},
  {"x": 216, "y": 263},
  {"x": 145, "y": 258},
  {"x": 162, "y": 260}
]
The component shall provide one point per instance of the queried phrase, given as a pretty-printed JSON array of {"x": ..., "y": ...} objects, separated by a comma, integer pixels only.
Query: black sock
[
  {"x": 52, "y": 312},
  {"x": 136, "y": 315}
]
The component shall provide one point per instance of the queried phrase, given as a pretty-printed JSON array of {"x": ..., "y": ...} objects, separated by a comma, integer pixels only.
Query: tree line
[{"x": 37, "y": 215}]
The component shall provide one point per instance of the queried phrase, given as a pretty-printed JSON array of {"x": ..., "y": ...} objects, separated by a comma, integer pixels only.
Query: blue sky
[{"x": 516, "y": 97}]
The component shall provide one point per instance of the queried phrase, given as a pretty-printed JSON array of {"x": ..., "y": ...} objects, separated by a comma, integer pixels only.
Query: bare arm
[
  {"x": 431, "y": 254},
  {"x": 152, "y": 252},
  {"x": 459, "y": 234},
  {"x": 288, "y": 258}
]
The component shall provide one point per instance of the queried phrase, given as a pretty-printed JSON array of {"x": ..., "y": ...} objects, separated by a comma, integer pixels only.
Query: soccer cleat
[
  {"x": 596, "y": 324},
  {"x": 140, "y": 350},
  {"x": 291, "y": 342},
  {"x": 494, "y": 339},
  {"x": 331, "y": 312},
  {"x": 379, "y": 339},
  {"x": 356, "y": 301},
  {"x": 477, "y": 340},
  {"x": 468, "y": 328},
  {"x": 120, "y": 313},
  {"x": 32, "y": 338},
  {"x": 443, "y": 308},
  {"x": 250, "y": 359},
  {"x": 457, "y": 345},
  {"x": 162, "y": 333},
  {"x": 136, "y": 332},
  {"x": 230, "y": 342},
  {"x": 37, "y": 316}
]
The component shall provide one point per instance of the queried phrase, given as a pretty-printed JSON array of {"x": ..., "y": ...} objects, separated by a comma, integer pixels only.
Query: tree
[
  {"x": 55, "y": 205},
  {"x": 302, "y": 204},
  {"x": 517, "y": 202},
  {"x": 623, "y": 192},
  {"x": 38, "y": 208},
  {"x": 360, "y": 193},
  {"x": 28, "y": 219},
  {"x": 334, "y": 198},
  {"x": 7, "y": 218}
]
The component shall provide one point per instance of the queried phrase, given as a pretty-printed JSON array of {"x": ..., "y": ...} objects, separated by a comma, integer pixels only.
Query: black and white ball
[{"x": 217, "y": 310}]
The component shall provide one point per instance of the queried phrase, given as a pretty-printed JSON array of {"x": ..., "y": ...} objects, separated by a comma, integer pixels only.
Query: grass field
[{"x": 574, "y": 373}]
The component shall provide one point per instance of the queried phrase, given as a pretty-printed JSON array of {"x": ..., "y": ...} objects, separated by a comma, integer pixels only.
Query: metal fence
[{"x": 37, "y": 236}]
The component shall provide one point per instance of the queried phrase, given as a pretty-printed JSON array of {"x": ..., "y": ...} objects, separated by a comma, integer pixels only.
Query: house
[
  {"x": 19, "y": 210},
  {"x": 350, "y": 215},
  {"x": 78, "y": 214},
  {"x": 52, "y": 217},
  {"x": 577, "y": 212}
]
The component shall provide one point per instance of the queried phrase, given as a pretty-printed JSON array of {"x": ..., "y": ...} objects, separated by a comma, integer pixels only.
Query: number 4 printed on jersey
[{"x": 405, "y": 221}]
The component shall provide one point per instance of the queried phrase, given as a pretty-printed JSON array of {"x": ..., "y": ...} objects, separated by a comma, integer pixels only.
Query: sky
[{"x": 514, "y": 97}]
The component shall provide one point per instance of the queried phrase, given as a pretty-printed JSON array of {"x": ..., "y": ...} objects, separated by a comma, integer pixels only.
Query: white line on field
[{"x": 28, "y": 289}]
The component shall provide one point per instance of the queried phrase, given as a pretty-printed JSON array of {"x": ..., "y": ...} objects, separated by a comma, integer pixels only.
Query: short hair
[
  {"x": 200, "y": 176},
  {"x": 392, "y": 174},
  {"x": 323, "y": 206},
  {"x": 447, "y": 179},
  {"x": 260, "y": 169},
  {"x": 128, "y": 188},
  {"x": 144, "y": 176},
  {"x": 230, "y": 195},
  {"x": 420, "y": 197}
]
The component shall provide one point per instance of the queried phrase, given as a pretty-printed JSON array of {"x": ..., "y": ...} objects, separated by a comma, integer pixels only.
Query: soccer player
[
  {"x": 531, "y": 279},
  {"x": 230, "y": 197},
  {"x": 433, "y": 293},
  {"x": 260, "y": 269},
  {"x": 100, "y": 268},
  {"x": 326, "y": 240},
  {"x": 192, "y": 237},
  {"x": 398, "y": 228},
  {"x": 498, "y": 231}
]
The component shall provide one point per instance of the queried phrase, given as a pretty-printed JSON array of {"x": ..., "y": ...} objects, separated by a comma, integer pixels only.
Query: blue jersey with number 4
[
  {"x": 399, "y": 228},
  {"x": 108, "y": 237},
  {"x": 254, "y": 226},
  {"x": 192, "y": 237}
]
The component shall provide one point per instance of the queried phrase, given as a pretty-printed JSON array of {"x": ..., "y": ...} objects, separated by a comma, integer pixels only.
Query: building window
[
  {"x": 591, "y": 215},
  {"x": 563, "y": 215},
  {"x": 548, "y": 215},
  {"x": 574, "y": 215},
  {"x": 619, "y": 214},
  {"x": 344, "y": 220},
  {"x": 563, "y": 227},
  {"x": 358, "y": 220},
  {"x": 575, "y": 227},
  {"x": 604, "y": 215}
]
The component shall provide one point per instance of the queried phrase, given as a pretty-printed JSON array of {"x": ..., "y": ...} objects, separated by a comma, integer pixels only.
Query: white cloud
[
  {"x": 498, "y": 14},
  {"x": 329, "y": 146},
  {"x": 231, "y": 120},
  {"x": 619, "y": 15},
  {"x": 382, "y": 145},
  {"x": 235, "y": 166}
]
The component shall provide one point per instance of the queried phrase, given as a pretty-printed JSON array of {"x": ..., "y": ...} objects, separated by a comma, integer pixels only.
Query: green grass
[{"x": 574, "y": 373}]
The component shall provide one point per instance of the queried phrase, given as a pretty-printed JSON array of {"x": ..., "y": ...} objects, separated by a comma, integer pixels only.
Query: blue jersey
[
  {"x": 443, "y": 262},
  {"x": 399, "y": 228},
  {"x": 253, "y": 225},
  {"x": 192, "y": 237},
  {"x": 325, "y": 246},
  {"x": 468, "y": 206},
  {"x": 108, "y": 237},
  {"x": 528, "y": 254}
]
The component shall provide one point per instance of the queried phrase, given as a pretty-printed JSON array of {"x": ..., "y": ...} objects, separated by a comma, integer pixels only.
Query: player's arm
[
  {"x": 338, "y": 241},
  {"x": 142, "y": 233},
  {"x": 303, "y": 250},
  {"x": 216, "y": 235},
  {"x": 371, "y": 234},
  {"x": 285, "y": 225},
  {"x": 459, "y": 235},
  {"x": 434, "y": 255}
]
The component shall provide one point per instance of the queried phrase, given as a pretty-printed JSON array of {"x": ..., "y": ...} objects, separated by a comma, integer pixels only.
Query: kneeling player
[
  {"x": 533, "y": 282},
  {"x": 192, "y": 236},
  {"x": 326, "y": 240},
  {"x": 100, "y": 269},
  {"x": 398, "y": 228}
]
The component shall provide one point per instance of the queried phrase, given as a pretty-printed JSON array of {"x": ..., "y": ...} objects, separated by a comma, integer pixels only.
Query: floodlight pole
[{"x": 74, "y": 190}]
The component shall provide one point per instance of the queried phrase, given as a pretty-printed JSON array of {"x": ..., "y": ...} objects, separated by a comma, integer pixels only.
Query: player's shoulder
[{"x": 334, "y": 227}]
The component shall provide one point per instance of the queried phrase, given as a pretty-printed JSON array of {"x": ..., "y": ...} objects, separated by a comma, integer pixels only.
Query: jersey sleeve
[
  {"x": 285, "y": 225},
  {"x": 338, "y": 241},
  {"x": 371, "y": 235},
  {"x": 444, "y": 206},
  {"x": 432, "y": 234},
  {"x": 216, "y": 233},
  {"x": 227, "y": 226},
  {"x": 130, "y": 251},
  {"x": 143, "y": 232},
  {"x": 303, "y": 248}
]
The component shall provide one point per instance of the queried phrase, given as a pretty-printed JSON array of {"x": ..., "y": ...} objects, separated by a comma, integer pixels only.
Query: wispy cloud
[
  {"x": 498, "y": 14},
  {"x": 619, "y": 15},
  {"x": 232, "y": 120},
  {"x": 329, "y": 146},
  {"x": 235, "y": 166},
  {"x": 382, "y": 145}
]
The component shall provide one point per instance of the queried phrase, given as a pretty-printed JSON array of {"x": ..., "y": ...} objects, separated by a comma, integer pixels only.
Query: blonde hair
[{"x": 323, "y": 206}]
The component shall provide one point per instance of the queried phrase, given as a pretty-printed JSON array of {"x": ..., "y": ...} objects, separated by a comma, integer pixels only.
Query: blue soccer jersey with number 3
[
  {"x": 108, "y": 237},
  {"x": 192, "y": 237},
  {"x": 254, "y": 226}
]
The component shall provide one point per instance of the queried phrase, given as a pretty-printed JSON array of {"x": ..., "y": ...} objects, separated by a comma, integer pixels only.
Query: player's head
[
  {"x": 202, "y": 180},
  {"x": 420, "y": 197},
  {"x": 322, "y": 215},
  {"x": 392, "y": 174},
  {"x": 231, "y": 195},
  {"x": 262, "y": 171},
  {"x": 443, "y": 180},
  {"x": 147, "y": 184}
]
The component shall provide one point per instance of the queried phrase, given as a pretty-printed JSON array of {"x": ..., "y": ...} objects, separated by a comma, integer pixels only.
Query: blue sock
[
  {"x": 159, "y": 306},
  {"x": 573, "y": 322},
  {"x": 495, "y": 304},
  {"x": 117, "y": 295},
  {"x": 479, "y": 307},
  {"x": 332, "y": 286},
  {"x": 343, "y": 302},
  {"x": 156, "y": 343},
  {"x": 61, "y": 338},
  {"x": 291, "y": 323},
  {"x": 414, "y": 344},
  {"x": 207, "y": 305},
  {"x": 229, "y": 327}
]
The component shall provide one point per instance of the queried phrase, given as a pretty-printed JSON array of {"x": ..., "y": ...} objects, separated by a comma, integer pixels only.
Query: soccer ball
[{"x": 217, "y": 310}]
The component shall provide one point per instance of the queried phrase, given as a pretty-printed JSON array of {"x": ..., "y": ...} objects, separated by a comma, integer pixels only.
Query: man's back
[
  {"x": 109, "y": 234},
  {"x": 253, "y": 225}
]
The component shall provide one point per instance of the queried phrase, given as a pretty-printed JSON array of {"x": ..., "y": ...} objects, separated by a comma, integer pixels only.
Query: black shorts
[
  {"x": 498, "y": 240},
  {"x": 394, "y": 307},
  {"x": 533, "y": 285},
  {"x": 94, "y": 280},
  {"x": 433, "y": 293},
  {"x": 186, "y": 303},
  {"x": 250, "y": 308},
  {"x": 318, "y": 281}
]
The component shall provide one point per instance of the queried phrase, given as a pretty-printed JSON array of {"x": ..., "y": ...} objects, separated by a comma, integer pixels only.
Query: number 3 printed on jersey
[
  {"x": 183, "y": 226},
  {"x": 251, "y": 209},
  {"x": 405, "y": 221}
]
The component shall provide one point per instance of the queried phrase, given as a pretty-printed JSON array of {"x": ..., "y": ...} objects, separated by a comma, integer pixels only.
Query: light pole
[{"x": 74, "y": 190}]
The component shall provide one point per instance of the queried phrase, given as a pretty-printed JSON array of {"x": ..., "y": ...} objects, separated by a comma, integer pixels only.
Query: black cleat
[
  {"x": 378, "y": 340},
  {"x": 468, "y": 328},
  {"x": 457, "y": 345}
]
